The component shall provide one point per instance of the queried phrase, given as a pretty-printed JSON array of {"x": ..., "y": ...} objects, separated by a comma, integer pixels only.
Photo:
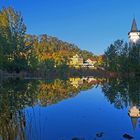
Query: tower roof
[
  {"x": 134, "y": 122},
  {"x": 134, "y": 26}
]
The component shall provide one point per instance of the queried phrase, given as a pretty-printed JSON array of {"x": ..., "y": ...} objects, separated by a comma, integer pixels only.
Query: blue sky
[{"x": 90, "y": 24}]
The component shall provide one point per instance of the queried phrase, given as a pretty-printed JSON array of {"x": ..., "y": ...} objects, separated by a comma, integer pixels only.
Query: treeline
[
  {"x": 23, "y": 52},
  {"x": 122, "y": 58}
]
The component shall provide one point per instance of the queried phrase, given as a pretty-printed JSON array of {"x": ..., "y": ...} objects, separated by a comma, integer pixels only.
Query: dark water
[{"x": 72, "y": 109}]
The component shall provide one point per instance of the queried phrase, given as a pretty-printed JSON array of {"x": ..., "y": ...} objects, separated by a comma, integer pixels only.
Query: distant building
[
  {"x": 90, "y": 79},
  {"x": 90, "y": 63},
  {"x": 76, "y": 82},
  {"x": 134, "y": 34},
  {"x": 85, "y": 81},
  {"x": 76, "y": 61},
  {"x": 134, "y": 113}
]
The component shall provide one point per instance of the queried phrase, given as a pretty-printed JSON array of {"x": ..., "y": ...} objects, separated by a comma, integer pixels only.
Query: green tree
[
  {"x": 12, "y": 31},
  {"x": 117, "y": 57}
]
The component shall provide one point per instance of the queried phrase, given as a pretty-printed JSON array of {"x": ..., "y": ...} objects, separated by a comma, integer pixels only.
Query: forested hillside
[{"x": 20, "y": 51}]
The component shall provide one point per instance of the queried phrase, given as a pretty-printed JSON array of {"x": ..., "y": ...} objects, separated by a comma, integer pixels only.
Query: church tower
[
  {"x": 134, "y": 113},
  {"x": 134, "y": 34}
]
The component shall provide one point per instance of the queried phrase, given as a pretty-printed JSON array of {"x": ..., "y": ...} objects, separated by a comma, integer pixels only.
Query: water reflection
[
  {"x": 18, "y": 97},
  {"x": 50, "y": 93},
  {"x": 124, "y": 93},
  {"x": 134, "y": 113},
  {"x": 15, "y": 96}
]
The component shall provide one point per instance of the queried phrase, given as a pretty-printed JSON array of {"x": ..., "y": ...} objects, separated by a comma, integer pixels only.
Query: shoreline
[{"x": 57, "y": 74}]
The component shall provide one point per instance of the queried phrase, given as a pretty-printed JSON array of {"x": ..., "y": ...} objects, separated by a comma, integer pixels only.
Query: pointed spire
[
  {"x": 134, "y": 122},
  {"x": 134, "y": 26}
]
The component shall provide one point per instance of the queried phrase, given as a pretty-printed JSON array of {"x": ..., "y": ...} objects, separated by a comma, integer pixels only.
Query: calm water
[{"x": 72, "y": 109}]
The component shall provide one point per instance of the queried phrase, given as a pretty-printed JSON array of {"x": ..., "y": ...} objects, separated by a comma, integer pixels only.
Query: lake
[{"x": 84, "y": 108}]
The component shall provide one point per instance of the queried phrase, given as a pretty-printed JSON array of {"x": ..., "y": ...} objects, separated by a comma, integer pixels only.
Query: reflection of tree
[
  {"x": 12, "y": 125},
  {"x": 122, "y": 92},
  {"x": 134, "y": 91},
  {"x": 50, "y": 93},
  {"x": 18, "y": 94},
  {"x": 15, "y": 95}
]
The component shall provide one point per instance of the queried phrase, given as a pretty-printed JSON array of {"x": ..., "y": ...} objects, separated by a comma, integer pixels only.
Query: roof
[
  {"x": 134, "y": 26},
  {"x": 92, "y": 59}
]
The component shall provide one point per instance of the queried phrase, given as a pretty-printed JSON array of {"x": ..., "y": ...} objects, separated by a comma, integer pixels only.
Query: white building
[
  {"x": 134, "y": 34},
  {"x": 90, "y": 63}
]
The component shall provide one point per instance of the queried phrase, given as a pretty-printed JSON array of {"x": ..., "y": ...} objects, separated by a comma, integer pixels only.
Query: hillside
[{"x": 23, "y": 52}]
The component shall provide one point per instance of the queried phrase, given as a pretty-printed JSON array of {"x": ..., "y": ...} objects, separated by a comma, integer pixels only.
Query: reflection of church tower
[
  {"x": 134, "y": 113},
  {"x": 134, "y": 34}
]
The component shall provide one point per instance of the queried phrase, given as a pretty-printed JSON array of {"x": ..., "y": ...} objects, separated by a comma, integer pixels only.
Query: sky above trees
[{"x": 90, "y": 24}]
